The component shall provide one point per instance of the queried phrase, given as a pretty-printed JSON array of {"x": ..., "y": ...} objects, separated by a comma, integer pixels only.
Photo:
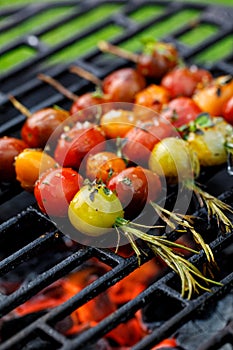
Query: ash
[{"x": 195, "y": 334}]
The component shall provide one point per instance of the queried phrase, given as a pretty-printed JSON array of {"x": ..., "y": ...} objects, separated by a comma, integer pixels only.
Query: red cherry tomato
[
  {"x": 141, "y": 140},
  {"x": 181, "y": 111},
  {"x": 182, "y": 81},
  {"x": 157, "y": 59},
  {"x": 38, "y": 128},
  {"x": 10, "y": 147},
  {"x": 130, "y": 185},
  {"x": 123, "y": 84},
  {"x": 84, "y": 102},
  {"x": 103, "y": 165},
  {"x": 75, "y": 144},
  {"x": 55, "y": 189},
  {"x": 133, "y": 187},
  {"x": 227, "y": 111},
  {"x": 153, "y": 184}
]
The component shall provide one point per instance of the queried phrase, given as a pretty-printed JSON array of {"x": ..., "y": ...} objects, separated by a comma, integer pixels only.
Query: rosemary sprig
[
  {"x": 184, "y": 221},
  {"x": 215, "y": 206},
  {"x": 189, "y": 275}
]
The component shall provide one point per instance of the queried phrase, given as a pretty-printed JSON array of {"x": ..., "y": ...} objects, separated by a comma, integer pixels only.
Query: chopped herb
[
  {"x": 110, "y": 173},
  {"x": 126, "y": 181},
  {"x": 203, "y": 119},
  {"x": 106, "y": 190}
]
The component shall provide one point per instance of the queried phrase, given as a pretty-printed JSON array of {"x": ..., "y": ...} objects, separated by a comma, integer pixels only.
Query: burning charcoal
[{"x": 127, "y": 333}]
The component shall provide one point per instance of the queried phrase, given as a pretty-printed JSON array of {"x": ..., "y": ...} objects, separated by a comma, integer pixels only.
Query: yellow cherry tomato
[
  {"x": 29, "y": 164},
  {"x": 209, "y": 143},
  {"x": 94, "y": 209},
  {"x": 173, "y": 159}
]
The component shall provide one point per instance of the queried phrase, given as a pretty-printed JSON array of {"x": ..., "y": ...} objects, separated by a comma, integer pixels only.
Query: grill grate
[{"x": 18, "y": 212}]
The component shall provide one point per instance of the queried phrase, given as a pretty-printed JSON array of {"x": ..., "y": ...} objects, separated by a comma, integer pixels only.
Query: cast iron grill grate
[{"x": 18, "y": 212}]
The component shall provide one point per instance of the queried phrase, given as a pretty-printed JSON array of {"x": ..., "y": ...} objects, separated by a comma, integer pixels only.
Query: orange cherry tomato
[
  {"x": 211, "y": 98},
  {"x": 29, "y": 164},
  {"x": 154, "y": 96},
  {"x": 103, "y": 165},
  {"x": 57, "y": 186},
  {"x": 116, "y": 123}
]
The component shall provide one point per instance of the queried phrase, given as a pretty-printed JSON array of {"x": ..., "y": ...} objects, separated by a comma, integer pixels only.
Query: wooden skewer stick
[
  {"x": 19, "y": 106},
  {"x": 86, "y": 75},
  {"x": 58, "y": 86},
  {"x": 115, "y": 50}
]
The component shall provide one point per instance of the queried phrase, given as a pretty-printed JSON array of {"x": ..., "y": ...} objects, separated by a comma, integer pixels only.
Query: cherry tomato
[
  {"x": 103, "y": 165},
  {"x": 153, "y": 184},
  {"x": 123, "y": 84},
  {"x": 209, "y": 142},
  {"x": 55, "y": 189},
  {"x": 116, "y": 123},
  {"x": 132, "y": 187},
  {"x": 157, "y": 59},
  {"x": 183, "y": 81},
  {"x": 227, "y": 111},
  {"x": 10, "y": 147},
  {"x": 38, "y": 128},
  {"x": 29, "y": 164},
  {"x": 94, "y": 209},
  {"x": 75, "y": 144},
  {"x": 212, "y": 97},
  {"x": 84, "y": 102},
  {"x": 154, "y": 96},
  {"x": 141, "y": 140},
  {"x": 181, "y": 111},
  {"x": 174, "y": 159}
]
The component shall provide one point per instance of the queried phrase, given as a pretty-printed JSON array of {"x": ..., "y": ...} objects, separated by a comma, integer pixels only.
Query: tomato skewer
[
  {"x": 98, "y": 199},
  {"x": 155, "y": 62},
  {"x": 41, "y": 125}
]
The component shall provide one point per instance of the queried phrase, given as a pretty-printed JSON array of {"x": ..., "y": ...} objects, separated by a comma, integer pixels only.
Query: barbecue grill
[{"x": 32, "y": 249}]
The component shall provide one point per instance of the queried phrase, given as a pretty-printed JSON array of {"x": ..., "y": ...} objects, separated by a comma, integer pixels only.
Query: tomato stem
[{"x": 58, "y": 86}]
